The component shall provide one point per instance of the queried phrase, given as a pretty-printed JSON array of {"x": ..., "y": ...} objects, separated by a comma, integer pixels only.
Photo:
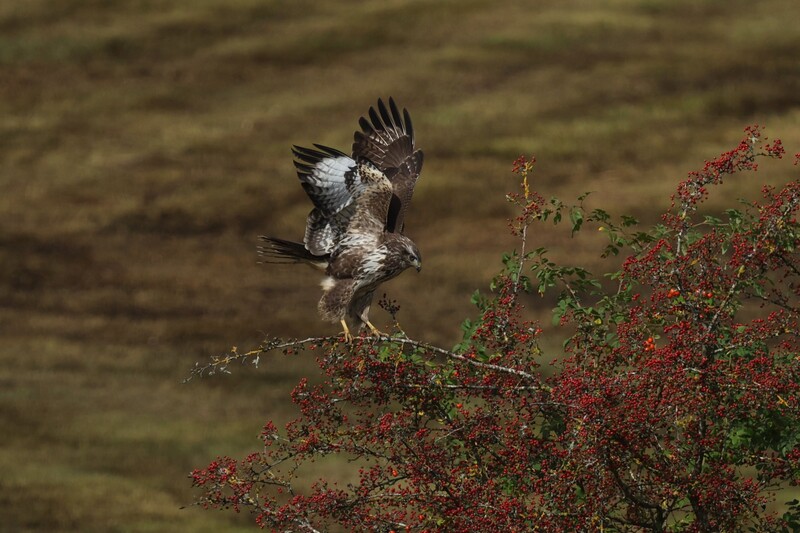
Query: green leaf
[
  {"x": 560, "y": 310},
  {"x": 599, "y": 215},
  {"x": 576, "y": 216}
]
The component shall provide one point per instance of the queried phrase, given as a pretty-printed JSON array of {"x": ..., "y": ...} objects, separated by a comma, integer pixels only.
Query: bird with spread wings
[{"x": 355, "y": 231}]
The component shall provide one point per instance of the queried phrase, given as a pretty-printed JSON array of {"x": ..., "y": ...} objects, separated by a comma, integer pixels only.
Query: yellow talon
[
  {"x": 348, "y": 337},
  {"x": 376, "y": 331}
]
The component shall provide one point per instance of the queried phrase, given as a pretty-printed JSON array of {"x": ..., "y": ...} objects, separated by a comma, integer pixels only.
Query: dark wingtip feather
[
  {"x": 315, "y": 156},
  {"x": 307, "y": 158},
  {"x": 299, "y": 165},
  {"x": 407, "y": 126},
  {"x": 396, "y": 120},
  {"x": 298, "y": 151},
  {"x": 376, "y": 120},
  {"x": 306, "y": 151},
  {"x": 387, "y": 119},
  {"x": 365, "y": 126},
  {"x": 333, "y": 152}
]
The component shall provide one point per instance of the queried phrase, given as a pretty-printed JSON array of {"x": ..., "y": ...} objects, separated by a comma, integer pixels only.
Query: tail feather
[{"x": 275, "y": 250}]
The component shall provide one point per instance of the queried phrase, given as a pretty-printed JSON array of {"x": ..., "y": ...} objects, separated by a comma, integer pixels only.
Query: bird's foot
[
  {"x": 348, "y": 337},
  {"x": 375, "y": 331}
]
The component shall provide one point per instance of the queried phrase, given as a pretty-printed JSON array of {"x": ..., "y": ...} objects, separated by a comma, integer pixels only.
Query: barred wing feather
[
  {"x": 387, "y": 139},
  {"x": 330, "y": 179}
]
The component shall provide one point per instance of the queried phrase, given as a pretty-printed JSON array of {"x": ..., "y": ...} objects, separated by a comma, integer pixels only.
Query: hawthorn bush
[{"x": 673, "y": 407}]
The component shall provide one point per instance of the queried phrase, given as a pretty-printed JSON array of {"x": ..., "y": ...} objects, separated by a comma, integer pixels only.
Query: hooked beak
[{"x": 418, "y": 265}]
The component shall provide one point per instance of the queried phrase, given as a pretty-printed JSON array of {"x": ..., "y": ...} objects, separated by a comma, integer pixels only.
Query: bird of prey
[{"x": 355, "y": 231}]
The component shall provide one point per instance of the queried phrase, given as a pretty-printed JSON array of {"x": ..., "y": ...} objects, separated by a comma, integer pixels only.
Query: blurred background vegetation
[{"x": 144, "y": 144}]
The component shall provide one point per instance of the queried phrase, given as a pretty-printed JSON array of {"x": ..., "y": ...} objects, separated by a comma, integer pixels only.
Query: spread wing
[
  {"x": 348, "y": 192},
  {"x": 371, "y": 204},
  {"x": 351, "y": 199},
  {"x": 330, "y": 179},
  {"x": 387, "y": 140}
]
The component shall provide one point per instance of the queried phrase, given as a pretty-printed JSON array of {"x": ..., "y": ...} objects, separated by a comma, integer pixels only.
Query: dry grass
[{"x": 145, "y": 146}]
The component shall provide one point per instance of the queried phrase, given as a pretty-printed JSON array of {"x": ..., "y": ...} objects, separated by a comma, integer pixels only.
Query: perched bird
[{"x": 355, "y": 231}]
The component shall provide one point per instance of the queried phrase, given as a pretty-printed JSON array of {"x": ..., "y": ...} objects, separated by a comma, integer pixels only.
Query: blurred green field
[{"x": 144, "y": 144}]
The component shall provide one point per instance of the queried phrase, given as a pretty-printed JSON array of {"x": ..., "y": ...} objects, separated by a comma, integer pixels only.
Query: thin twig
[{"x": 220, "y": 363}]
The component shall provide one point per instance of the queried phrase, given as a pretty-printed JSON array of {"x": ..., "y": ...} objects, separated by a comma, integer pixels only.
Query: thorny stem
[
  {"x": 518, "y": 273},
  {"x": 220, "y": 363},
  {"x": 524, "y": 233},
  {"x": 301, "y": 522}
]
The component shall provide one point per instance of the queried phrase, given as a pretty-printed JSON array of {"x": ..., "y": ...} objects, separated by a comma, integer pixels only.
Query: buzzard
[{"x": 355, "y": 231}]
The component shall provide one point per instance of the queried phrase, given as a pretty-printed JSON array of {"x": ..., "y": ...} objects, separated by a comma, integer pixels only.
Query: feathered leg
[{"x": 335, "y": 299}]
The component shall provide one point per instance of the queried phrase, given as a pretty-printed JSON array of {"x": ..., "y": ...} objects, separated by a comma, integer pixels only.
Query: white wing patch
[
  {"x": 333, "y": 182},
  {"x": 326, "y": 183}
]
